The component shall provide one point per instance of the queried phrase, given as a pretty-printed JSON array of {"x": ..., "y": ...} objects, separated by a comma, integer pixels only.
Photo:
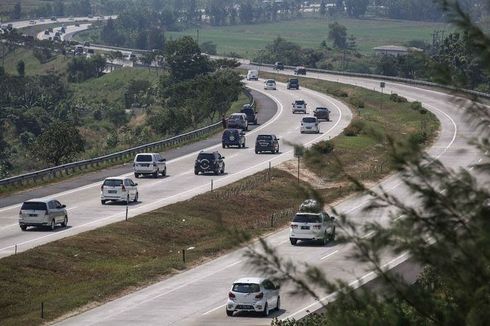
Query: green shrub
[
  {"x": 354, "y": 128},
  {"x": 358, "y": 103},
  {"x": 323, "y": 147},
  {"x": 417, "y": 106},
  {"x": 397, "y": 98}
]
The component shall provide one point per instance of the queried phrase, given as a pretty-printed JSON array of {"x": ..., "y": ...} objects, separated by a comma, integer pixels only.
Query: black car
[
  {"x": 233, "y": 137},
  {"x": 322, "y": 113},
  {"x": 209, "y": 162},
  {"x": 251, "y": 114},
  {"x": 278, "y": 66},
  {"x": 266, "y": 143},
  {"x": 300, "y": 70},
  {"x": 293, "y": 83}
]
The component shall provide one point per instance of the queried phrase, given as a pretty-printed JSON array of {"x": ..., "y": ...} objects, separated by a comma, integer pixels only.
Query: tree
[
  {"x": 446, "y": 228},
  {"x": 59, "y": 8},
  {"x": 338, "y": 35},
  {"x": 21, "y": 68},
  {"x": 185, "y": 59},
  {"x": 356, "y": 8},
  {"x": 323, "y": 8},
  {"x": 17, "y": 12},
  {"x": 58, "y": 144}
]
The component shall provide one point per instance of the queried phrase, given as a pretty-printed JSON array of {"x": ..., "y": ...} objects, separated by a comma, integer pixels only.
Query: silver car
[
  {"x": 119, "y": 190},
  {"x": 42, "y": 212},
  {"x": 149, "y": 164},
  {"x": 253, "y": 294}
]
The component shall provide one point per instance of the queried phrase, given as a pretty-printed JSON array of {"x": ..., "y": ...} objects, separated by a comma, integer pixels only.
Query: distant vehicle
[
  {"x": 131, "y": 56},
  {"x": 42, "y": 212},
  {"x": 62, "y": 30},
  {"x": 309, "y": 124},
  {"x": 266, "y": 143},
  {"x": 77, "y": 24},
  {"x": 118, "y": 190},
  {"x": 311, "y": 223},
  {"x": 46, "y": 32},
  {"x": 252, "y": 75},
  {"x": 90, "y": 16},
  {"x": 278, "y": 66},
  {"x": 250, "y": 113},
  {"x": 322, "y": 113},
  {"x": 300, "y": 70},
  {"x": 50, "y": 29},
  {"x": 299, "y": 106},
  {"x": 71, "y": 18},
  {"x": 238, "y": 121},
  {"x": 57, "y": 34},
  {"x": 86, "y": 44},
  {"x": 149, "y": 164},
  {"x": 41, "y": 19},
  {"x": 233, "y": 137},
  {"x": 209, "y": 162},
  {"x": 253, "y": 294},
  {"x": 54, "y": 18},
  {"x": 293, "y": 83},
  {"x": 10, "y": 27},
  {"x": 270, "y": 84},
  {"x": 57, "y": 38},
  {"x": 32, "y": 22}
]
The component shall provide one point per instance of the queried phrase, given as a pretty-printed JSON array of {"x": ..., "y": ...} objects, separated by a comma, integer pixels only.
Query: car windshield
[
  {"x": 208, "y": 156},
  {"x": 143, "y": 158},
  {"x": 300, "y": 102},
  {"x": 307, "y": 218},
  {"x": 293, "y": 81},
  {"x": 248, "y": 111},
  {"x": 271, "y": 82},
  {"x": 264, "y": 137},
  {"x": 321, "y": 109},
  {"x": 113, "y": 182},
  {"x": 246, "y": 287},
  {"x": 309, "y": 120},
  {"x": 33, "y": 205}
]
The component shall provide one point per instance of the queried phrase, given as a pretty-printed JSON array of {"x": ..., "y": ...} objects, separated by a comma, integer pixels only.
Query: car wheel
[
  {"x": 217, "y": 171},
  {"x": 278, "y": 306},
  {"x": 256, "y": 152},
  {"x": 196, "y": 172},
  {"x": 103, "y": 202},
  {"x": 65, "y": 222},
  {"x": 135, "y": 200},
  {"x": 23, "y": 227},
  {"x": 265, "y": 313},
  {"x": 52, "y": 226},
  {"x": 332, "y": 236},
  {"x": 164, "y": 172},
  {"x": 325, "y": 239},
  {"x": 156, "y": 173},
  {"x": 243, "y": 145},
  {"x": 223, "y": 145},
  {"x": 136, "y": 175},
  {"x": 229, "y": 313},
  {"x": 293, "y": 241}
]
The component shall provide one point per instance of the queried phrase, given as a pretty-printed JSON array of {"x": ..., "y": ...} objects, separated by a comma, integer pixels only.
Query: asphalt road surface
[{"x": 198, "y": 296}]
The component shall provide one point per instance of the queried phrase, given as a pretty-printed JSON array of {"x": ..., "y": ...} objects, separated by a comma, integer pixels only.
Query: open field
[
  {"x": 96, "y": 266},
  {"x": 32, "y": 64},
  {"x": 246, "y": 40}
]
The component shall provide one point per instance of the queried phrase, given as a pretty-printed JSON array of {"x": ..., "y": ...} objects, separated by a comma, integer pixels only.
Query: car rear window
[
  {"x": 264, "y": 137},
  {"x": 33, "y": 205},
  {"x": 113, "y": 182},
  {"x": 208, "y": 156},
  {"x": 309, "y": 120},
  {"x": 246, "y": 287},
  {"x": 248, "y": 111},
  {"x": 307, "y": 218},
  {"x": 144, "y": 158},
  {"x": 321, "y": 109},
  {"x": 293, "y": 81},
  {"x": 300, "y": 102}
]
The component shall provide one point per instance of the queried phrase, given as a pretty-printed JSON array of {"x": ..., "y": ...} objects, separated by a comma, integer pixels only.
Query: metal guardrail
[
  {"x": 382, "y": 77},
  {"x": 115, "y": 157}
]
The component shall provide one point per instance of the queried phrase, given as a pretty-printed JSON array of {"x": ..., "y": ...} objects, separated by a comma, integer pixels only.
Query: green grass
[
  {"x": 32, "y": 64},
  {"x": 246, "y": 40}
]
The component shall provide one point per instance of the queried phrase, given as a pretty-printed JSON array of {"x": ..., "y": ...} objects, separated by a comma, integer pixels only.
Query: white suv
[
  {"x": 299, "y": 106},
  {"x": 270, "y": 84},
  {"x": 42, "y": 212},
  {"x": 311, "y": 223},
  {"x": 118, "y": 189},
  {"x": 309, "y": 124},
  {"x": 254, "y": 294},
  {"x": 149, "y": 163}
]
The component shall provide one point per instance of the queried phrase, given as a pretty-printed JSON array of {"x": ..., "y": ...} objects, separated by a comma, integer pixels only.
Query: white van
[{"x": 253, "y": 75}]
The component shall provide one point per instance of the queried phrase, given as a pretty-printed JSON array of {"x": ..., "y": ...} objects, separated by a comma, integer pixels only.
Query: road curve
[
  {"x": 83, "y": 203},
  {"x": 197, "y": 296}
]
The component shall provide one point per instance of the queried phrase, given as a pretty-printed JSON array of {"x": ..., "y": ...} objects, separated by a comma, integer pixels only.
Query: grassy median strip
[{"x": 96, "y": 266}]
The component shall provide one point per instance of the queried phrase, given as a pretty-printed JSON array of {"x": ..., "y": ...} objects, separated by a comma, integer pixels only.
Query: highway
[
  {"x": 83, "y": 203},
  {"x": 47, "y": 21},
  {"x": 197, "y": 296}
]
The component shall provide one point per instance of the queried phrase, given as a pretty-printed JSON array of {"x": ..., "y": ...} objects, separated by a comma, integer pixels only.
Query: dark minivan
[
  {"x": 293, "y": 83},
  {"x": 233, "y": 137},
  {"x": 267, "y": 143},
  {"x": 251, "y": 113},
  {"x": 322, "y": 113}
]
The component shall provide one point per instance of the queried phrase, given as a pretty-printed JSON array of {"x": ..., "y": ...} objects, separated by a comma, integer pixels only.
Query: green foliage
[
  {"x": 337, "y": 33},
  {"x": 185, "y": 59},
  {"x": 397, "y": 98},
  {"x": 60, "y": 143},
  {"x": 356, "y": 8},
  {"x": 82, "y": 68},
  {"x": 208, "y": 47},
  {"x": 323, "y": 147},
  {"x": 354, "y": 128},
  {"x": 21, "y": 68}
]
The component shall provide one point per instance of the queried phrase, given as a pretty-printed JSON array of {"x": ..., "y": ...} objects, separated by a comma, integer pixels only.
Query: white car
[
  {"x": 252, "y": 75},
  {"x": 270, "y": 84},
  {"x": 42, "y": 212},
  {"x": 253, "y": 294},
  {"x": 309, "y": 124},
  {"x": 308, "y": 225},
  {"x": 119, "y": 190},
  {"x": 149, "y": 164},
  {"x": 299, "y": 106}
]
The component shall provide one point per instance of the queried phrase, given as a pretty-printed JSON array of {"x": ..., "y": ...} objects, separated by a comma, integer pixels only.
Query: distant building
[{"x": 395, "y": 50}]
